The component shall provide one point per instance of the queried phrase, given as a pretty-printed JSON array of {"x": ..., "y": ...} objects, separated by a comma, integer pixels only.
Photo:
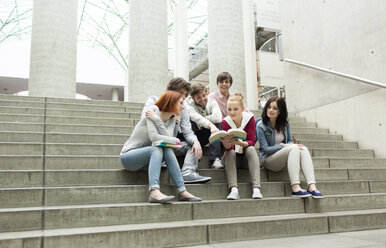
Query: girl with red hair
[{"x": 138, "y": 153}]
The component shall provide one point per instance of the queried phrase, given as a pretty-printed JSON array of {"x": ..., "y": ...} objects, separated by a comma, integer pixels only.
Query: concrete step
[
  {"x": 115, "y": 149},
  {"x": 15, "y": 148},
  {"x": 21, "y": 110},
  {"x": 80, "y": 195},
  {"x": 328, "y": 144},
  {"x": 117, "y": 214},
  {"x": 320, "y": 137},
  {"x": 86, "y": 113},
  {"x": 203, "y": 231},
  {"x": 91, "y": 120},
  {"x": 93, "y": 102},
  {"x": 57, "y": 178},
  {"x": 22, "y": 98},
  {"x": 88, "y": 129},
  {"x": 86, "y": 138},
  {"x": 21, "y": 162},
  {"x": 357, "y": 153},
  {"x": 21, "y": 118},
  {"x": 21, "y": 127},
  {"x": 90, "y": 107},
  {"x": 309, "y": 130},
  {"x": 16, "y": 103},
  {"x": 14, "y": 136},
  {"x": 357, "y": 162},
  {"x": 82, "y": 149}
]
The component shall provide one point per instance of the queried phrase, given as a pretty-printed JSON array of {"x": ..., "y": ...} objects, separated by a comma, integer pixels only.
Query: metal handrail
[
  {"x": 269, "y": 40},
  {"x": 363, "y": 80}
]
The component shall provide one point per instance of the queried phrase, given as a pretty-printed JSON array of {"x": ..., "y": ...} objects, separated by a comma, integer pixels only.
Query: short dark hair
[
  {"x": 224, "y": 76},
  {"x": 179, "y": 83},
  {"x": 281, "y": 121},
  {"x": 197, "y": 89}
]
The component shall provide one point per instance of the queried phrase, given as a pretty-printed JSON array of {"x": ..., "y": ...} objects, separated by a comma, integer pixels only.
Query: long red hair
[{"x": 168, "y": 101}]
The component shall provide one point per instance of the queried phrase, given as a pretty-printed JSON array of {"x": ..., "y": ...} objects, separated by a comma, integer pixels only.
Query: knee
[
  {"x": 250, "y": 150},
  {"x": 293, "y": 147},
  {"x": 157, "y": 151}
]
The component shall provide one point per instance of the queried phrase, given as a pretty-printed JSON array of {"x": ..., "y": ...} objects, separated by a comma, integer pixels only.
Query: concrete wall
[{"x": 347, "y": 36}]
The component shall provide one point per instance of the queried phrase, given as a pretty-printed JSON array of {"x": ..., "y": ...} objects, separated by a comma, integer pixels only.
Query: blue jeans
[{"x": 151, "y": 157}]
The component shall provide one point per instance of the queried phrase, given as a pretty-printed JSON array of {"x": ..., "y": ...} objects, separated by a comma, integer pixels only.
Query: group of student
[{"x": 187, "y": 115}]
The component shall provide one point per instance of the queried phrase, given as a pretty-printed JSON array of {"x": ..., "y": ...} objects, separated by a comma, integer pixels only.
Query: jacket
[
  {"x": 266, "y": 137},
  {"x": 204, "y": 117}
]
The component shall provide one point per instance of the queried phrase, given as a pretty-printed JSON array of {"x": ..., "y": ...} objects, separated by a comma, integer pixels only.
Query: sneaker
[
  {"x": 194, "y": 177},
  {"x": 163, "y": 165},
  {"x": 316, "y": 194},
  {"x": 217, "y": 164},
  {"x": 301, "y": 194},
  {"x": 257, "y": 194},
  {"x": 233, "y": 196}
]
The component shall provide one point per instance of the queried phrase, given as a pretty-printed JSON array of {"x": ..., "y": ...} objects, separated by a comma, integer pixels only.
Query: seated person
[
  {"x": 224, "y": 83},
  {"x": 277, "y": 149},
  {"x": 237, "y": 119},
  {"x": 191, "y": 147},
  {"x": 138, "y": 153},
  {"x": 205, "y": 116}
]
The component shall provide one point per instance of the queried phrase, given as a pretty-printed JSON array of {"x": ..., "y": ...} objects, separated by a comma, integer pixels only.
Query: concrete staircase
[{"x": 62, "y": 185}]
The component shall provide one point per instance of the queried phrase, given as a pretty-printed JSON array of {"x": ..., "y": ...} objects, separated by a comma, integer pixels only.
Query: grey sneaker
[
  {"x": 257, "y": 194},
  {"x": 233, "y": 196},
  {"x": 217, "y": 164},
  {"x": 194, "y": 177}
]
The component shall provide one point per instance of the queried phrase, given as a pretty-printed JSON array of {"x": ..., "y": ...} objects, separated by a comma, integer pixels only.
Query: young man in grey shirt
[{"x": 191, "y": 147}]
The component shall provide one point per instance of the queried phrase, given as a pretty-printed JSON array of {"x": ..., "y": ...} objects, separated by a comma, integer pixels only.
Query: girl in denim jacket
[{"x": 277, "y": 148}]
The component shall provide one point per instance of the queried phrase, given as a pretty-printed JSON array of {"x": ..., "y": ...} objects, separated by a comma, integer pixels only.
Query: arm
[
  {"x": 226, "y": 141},
  {"x": 149, "y": 104},
  {"x": 264, "y": 143},
  {"x": 251, "y": 133},
  {"x": 153, "y": 115},
  {"x": 155, "y": 136},
  {"x": 289, "y": 134},
  {"x": 216, "y": 115},
  {"x": 186, "y": 128}
]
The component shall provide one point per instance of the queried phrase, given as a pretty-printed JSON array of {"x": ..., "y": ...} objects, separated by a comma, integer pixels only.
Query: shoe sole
[
  {"x": 257, "y": 197},
  {"x": 318, "y": 197},
  {"x": 198, "y": 181},
  {"x": 232, "y": 199},
  {"x": 301, "y": 196}
]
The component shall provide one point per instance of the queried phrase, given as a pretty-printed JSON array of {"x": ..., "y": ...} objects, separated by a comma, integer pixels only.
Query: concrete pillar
[
  {"x": 114, "y": 94},
  {"x": 53, "y": 48},
  {"x": 148, "y": 49},
  {"x": 226, "y": 43},
  {"x": 250, "y": 55},
  {"x": 181, "y": 50}
]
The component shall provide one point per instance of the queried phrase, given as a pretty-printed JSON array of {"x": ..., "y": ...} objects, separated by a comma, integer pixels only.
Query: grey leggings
[
  {"x": 251, "y": 156},
  {"x": 294, "y": 158}
]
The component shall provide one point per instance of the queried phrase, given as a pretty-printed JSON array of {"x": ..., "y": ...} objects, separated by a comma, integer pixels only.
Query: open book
[
  {"x": 236, "y": 133},
  {"x": 161, "y": 143}
]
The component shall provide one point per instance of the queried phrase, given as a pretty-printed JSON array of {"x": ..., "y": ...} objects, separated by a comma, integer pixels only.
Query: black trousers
[{"x": 203, "y": 137}]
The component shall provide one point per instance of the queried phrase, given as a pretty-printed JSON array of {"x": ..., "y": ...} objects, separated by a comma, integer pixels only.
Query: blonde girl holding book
[{"x": 236, "y": 148}]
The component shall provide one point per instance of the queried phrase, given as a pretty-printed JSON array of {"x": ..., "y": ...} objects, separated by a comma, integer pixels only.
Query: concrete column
[
  {"x": 181, "y": 50},
  {"x": 226, "y": 43},
  {"x": 114, "y": 94},
  {"x": 250, "y": 55},
  {"x": 148, "y": 49},
  {"x": 53, "y": 48}
]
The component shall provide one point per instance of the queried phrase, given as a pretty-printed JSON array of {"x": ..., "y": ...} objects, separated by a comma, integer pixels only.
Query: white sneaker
[
  {"x": 233, "y": 195},
  {"x": 257, "y": 194},
  {"x": 217, "y": 164}
]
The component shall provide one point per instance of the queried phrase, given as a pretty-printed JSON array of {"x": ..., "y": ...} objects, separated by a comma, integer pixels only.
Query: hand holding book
[{"x": 234, "y": 133}]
